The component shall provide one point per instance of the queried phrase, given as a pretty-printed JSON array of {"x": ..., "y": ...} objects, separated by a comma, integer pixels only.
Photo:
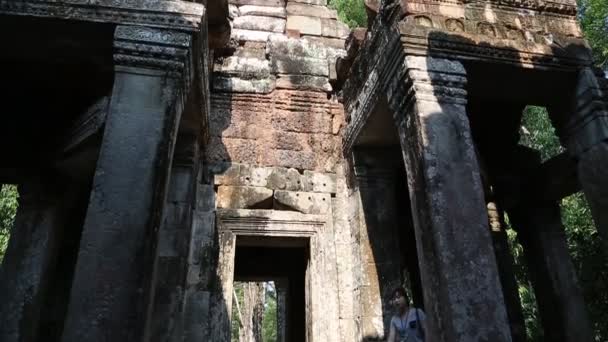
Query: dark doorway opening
[{"x": 283, "y": 261}]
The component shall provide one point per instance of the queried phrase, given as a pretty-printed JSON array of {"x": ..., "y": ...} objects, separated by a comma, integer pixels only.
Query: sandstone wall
[
  {"x": 275, "y": 151},
  {"x": 272, "y": 102}
]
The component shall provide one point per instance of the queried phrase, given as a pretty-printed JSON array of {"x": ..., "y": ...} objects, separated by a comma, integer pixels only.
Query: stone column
[
  {"x": 26, "y": 272},
  {"x": 462, "y": 292},
  {"x": 560, "y": 301},
  {"x": 171, "y": 267},
  {"x": 112, "y": 276},
  {"x": 583, "y": 129},
  {"x": 504, "y": 260}
]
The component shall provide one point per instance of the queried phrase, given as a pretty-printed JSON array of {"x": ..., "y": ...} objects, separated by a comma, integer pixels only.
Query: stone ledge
[
  {"x": 266, "y": 11},
  {"x": 304, "y": 202},
  {"x": 259, "y": 23},
  {"x": 242, "y": 197},
  {"x": 294, "y": 8},
  {"x": 276, "y": 178},
  {"x": 239, "y": 85}
]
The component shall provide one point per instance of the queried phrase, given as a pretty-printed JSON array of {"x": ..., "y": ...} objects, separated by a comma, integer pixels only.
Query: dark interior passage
[{"x": 268, "y": 259}]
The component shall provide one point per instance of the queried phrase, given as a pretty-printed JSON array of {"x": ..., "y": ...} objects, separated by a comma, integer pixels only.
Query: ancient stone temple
[{"x": 164, "y": 150}]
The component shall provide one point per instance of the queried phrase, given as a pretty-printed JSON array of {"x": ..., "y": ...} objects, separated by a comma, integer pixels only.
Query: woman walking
[{"x": 408, "y": 325}]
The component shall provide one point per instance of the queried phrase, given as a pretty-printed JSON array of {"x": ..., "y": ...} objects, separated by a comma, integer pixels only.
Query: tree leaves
[{"x": 8, "y": 209}]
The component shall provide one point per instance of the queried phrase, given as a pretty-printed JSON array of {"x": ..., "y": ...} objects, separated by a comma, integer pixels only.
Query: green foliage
[
  {"x": 593, "y": 16},
  {"x": 350, "y": 12},
  {"x": 538, "y": 133},
  {"x": 8, "y": 209},
  {"x": 269, "y": 323}
]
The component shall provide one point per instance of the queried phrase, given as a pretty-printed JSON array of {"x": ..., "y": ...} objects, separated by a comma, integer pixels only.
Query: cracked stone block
[
  {"x": 259, "y": 23},
  {"x": 250, "y": 53},
  {"x": 319, "y": 182},
  {"x": 278, "y": 12},
  {"x": 299, "y": 65},
  {"x": 304, "y": 202},
  {"x": 250, "y": 35},
  {"x": 242, "y": 197},
  {"x": 240, "y": 66},
  {"x": 254, "y": 176},
  {"x": 334, "y": 28},
  {"x": 306, "y": 25},
  {"x": 233, "y": 11},
  {"x": 303, "y": 82},
  {"x": 294, "y": 8},
  {"x": 284, "y": 179},
  {"x": 280, "y": 45},
  {"x": 235, "y": 84},
  {"x": 334, "y": 43},
  {"x": 311, "y": 2},
  {"x": 270, "y": 3}
]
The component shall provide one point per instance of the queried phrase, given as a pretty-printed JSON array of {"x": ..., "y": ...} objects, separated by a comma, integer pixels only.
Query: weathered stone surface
[
  {"x": 266, "y": 11},
  {"x": 294, "y": 8},
  {"x": 299, "y": 65},
  {"x": 303, "y": 82},
  {"x": 311, "y": 2},
  {"x": 271, "y": 3},
  {"x": 335, "y": 43},
  {"x": 306, "y": 25},
  {"x": 256, "y": 53},
  {"x": 235, "y": 84},
  {"x": 233, "y": 11},
  {"x": 282, "y": 46},
  {"x": 304, "y": 202},
  {"x": 205, "y": 199},
  {"x": 250, "y": 35},
  {"x": 244, "y": 67},
  {"x": 259, "y": 23},
  {"x": 319, "y": 182},
  {"x": 334, "y": 28},
  {"x": 284, "y": 179},
  {"x": 242, "y": 197}
]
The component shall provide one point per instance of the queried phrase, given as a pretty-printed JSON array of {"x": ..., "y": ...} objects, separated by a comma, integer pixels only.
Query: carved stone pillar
[
  {"x": 110, "y": 292},
  {"x": 26, "y": 272},
  {"x": 560, "y": 301},
  {"x": 583, "y": 129},
  {"x": 459, "y": 274},
  {"x": 504, "y": 260},
  {"x": 171, "y": 268}
]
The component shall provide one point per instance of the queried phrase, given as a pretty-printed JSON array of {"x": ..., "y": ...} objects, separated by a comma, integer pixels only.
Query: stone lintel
[
  {"x": 481, "y": 41},
  {"x": 88, "y": 124},
  {"x": 181, "y": 55},
  {"x": 152, "y": 48},
  {"x": 179, "y": 15}
]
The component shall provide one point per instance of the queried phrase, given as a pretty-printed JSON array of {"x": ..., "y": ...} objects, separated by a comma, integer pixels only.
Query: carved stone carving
[{"x": 182, "y": 15}]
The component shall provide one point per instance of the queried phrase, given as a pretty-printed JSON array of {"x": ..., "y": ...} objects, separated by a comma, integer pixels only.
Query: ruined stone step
[
  {"x": 317, "y": 26},
  {"x": 239, "y": 85},
  {"x": 267, "y": 11},
  {"x": 280, "y": 45},
  {"x": 259, "y": 23},
  {"x": 303, "y": 82},
  {"x": 250, "y": 35},
  {"x": 241, "y": 66},
  {"x": 299, "y": 65},
  {"x": 295, "y": 8},
  {"x": 311, "y": 2},
  {"x": 270, "y": 3}
]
